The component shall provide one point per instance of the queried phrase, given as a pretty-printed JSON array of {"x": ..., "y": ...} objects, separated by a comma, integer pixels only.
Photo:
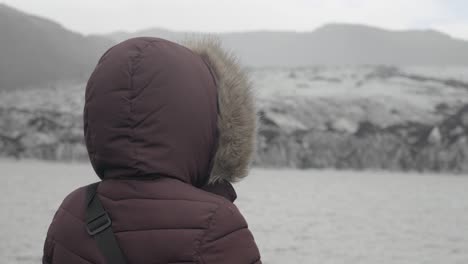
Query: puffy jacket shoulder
[
  {"x": 164, "y": 221},
  {"x": 228, "y": 238},
  {"x": 67, "y": 240}
]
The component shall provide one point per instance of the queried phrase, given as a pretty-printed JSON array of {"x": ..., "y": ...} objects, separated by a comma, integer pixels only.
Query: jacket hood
[{"x": 154, "y": 107}]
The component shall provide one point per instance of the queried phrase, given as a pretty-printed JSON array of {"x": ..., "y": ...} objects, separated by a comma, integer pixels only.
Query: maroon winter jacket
[{"x": 167, "y": 129}]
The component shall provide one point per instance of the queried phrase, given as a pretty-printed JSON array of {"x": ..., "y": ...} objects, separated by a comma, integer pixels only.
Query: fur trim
[{"x": 237, "y": 117}]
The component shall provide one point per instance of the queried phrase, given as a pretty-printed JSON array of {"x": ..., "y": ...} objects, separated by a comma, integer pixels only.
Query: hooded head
[{"x": 154, "y": 107}]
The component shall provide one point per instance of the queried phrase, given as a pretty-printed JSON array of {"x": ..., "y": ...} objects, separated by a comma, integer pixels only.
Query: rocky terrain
[
  {"x": 314, "y": 117},
  {"x": 364, "y": 117},
  {"x": 441, "y": 146}
]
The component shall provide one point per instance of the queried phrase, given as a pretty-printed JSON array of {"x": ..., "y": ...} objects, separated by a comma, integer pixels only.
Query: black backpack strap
[{"x": 98, "y": 225}]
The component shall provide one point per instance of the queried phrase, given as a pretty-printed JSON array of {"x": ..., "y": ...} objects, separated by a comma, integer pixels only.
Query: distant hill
[
  {"x": 335, "y": 44},
  {"x": 35, "y": 51}
]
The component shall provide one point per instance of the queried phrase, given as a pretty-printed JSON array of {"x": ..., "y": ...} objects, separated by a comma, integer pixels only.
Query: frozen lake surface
[{"x": 296, "y": 216}]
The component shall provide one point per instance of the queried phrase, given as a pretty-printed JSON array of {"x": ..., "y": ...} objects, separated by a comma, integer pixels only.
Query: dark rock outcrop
[
  {"x": 51, "y": 135},
  {"x": 46, "y": 135},
  {"x": 410, "y": 146}
]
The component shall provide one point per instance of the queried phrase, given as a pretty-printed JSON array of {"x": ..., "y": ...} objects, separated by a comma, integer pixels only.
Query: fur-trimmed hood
[
  {"x": 237, "y": 119},
  {"x": 154, "y": 107}
]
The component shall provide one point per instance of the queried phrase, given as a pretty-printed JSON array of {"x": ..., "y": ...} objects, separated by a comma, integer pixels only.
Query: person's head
[{"x": 154, "y": 107}]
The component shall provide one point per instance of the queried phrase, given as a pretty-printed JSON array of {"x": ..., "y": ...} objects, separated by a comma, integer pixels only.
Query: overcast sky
[{"x": 103, "y": 16}]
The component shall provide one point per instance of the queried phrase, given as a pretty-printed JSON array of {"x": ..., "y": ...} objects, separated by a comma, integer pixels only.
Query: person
[{"x": 168, "y": 128}]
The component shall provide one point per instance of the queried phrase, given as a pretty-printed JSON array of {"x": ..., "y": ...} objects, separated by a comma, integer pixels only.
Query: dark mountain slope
[{"x": 35, "y": 51}]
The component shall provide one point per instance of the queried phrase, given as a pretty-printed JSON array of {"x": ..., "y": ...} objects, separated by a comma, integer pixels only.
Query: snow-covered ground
[
  {"x": 296, "y": 216},
  {"x": 422, "y": 87}
]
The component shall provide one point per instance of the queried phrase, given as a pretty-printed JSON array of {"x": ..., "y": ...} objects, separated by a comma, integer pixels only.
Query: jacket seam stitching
[
  {"x": 131, "y": 117},
  {"x": 158, "y": 199},
  {"x": 157, "y": 229},
  {"x": 227, "y": 234},
  {"x": 57, "y": 242},
  {"x": 133, "y": 61},
  {"x": 69, "y": 213},
  {"x": 202, "y": 238}
]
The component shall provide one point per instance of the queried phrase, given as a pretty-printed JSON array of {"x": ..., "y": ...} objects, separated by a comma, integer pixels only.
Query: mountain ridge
[
  {"x": 333, "y": 44},
  {"x": 37, "y": 51},
  {"x": 117, "y": 34}
]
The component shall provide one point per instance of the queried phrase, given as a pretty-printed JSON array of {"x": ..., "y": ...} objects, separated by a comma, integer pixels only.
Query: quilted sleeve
[
  {"x": 66, "y": 237},
  {"x": 228, "y": 239}
]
